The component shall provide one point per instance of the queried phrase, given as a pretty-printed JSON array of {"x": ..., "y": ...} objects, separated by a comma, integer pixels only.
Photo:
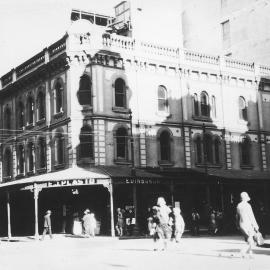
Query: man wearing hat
[
  {"x": 246, "y": 222},
  {"x": 47, "y": 225}
]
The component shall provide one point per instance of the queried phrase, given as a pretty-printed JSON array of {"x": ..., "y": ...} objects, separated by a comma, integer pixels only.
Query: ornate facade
[{"x": 154, "y": 120}]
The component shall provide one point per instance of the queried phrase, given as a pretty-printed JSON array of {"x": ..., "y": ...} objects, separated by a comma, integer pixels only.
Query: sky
[{"x": 29, "y": 26}]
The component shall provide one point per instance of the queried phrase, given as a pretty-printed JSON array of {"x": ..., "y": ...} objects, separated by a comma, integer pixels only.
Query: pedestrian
[
  {"x": 262, "y": 219},
  {"x": 47, "y": 226},
  {"x": 212, "y": 222},
  {"x": 163, "y": 229},
  {"x": 246, "y": 222},
  {"x": 120, "y": 222},
  {"x": 195, "y": 220},
  {"x": 92, "y": 224},
  {"x": 86, "y": 222},
  {"x": 178, "y": 224}
]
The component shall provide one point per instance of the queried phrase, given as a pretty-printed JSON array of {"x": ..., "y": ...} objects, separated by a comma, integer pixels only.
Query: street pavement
[{"x": 102, "y": 253}]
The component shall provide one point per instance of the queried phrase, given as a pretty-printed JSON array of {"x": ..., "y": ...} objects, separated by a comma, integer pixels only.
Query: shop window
[
  {"x": 120, "y": 93},
  {"x": 204, "y": 105},
  {"x": 7, "y": 121},
  {"x": 162, "y": 99},
  {"x": 41, "y": 106},
  {"x": 196, "y": 105},
  {"x": 20, "y": 160},
  {"x": 84, "y": 94},
  {"x": 245, "y": 148},
  {"x": 41, "y": 153},
  {"x": 86, "y": 142},
  {"x": 20, "y": 115},
  {"x": 121, "y": 144},
  {"x": 165, "y": 146},
  {"x": 30, "y": 110},
  {"x": 30, "y": 150},
  {"x": 7, "y": 164},
  {"x": 59, "y": 92},
  {"x": 242, "y": 109}
]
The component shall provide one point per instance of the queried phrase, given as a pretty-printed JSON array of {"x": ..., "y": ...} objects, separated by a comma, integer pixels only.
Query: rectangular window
[{"x": 226, "y": 34}]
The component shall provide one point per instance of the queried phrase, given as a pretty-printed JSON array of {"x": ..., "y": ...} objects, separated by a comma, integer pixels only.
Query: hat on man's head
[
  {"x": 87, "y": 211},
  {"x": 244, "y": 196},
  {"x": 48, "y": 212}
]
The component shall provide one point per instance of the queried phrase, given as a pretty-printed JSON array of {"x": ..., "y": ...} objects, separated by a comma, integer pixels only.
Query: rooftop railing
[{"x": 201, "y": 57}]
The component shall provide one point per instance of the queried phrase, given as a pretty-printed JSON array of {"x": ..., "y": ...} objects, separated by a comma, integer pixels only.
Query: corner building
[{"x": 102, "y": 120}]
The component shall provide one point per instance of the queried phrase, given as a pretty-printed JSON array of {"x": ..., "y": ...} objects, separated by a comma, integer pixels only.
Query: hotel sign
[
  {"x": 137, "y": 181},
  {"x": 70, "y": 183}
]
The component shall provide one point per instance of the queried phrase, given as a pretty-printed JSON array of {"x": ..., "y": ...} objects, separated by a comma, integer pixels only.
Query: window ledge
[
  {"x": 122, "y": 162},
  {"x": 59, "y": 166},
  {"x": 246, "y": 167},
  {"x": 165, "y": 163},
  {"x": 202, "y": 118},
  {"x": 19, "y": 176},
  {"x": 41, "y": 170},
  {"x": 84, "y": 160},
  {"x": 87, "y": 108},
  {"x": 163, "y": 114},
  {"x": 7, "y": 178},
  {"x": 208, "y": 165},
  {"x": 30, "y": 173},
  {"x": 120, "y": 110},
  {"x": 29, "y": 126},
  {"x": 58, "y": 115},
  {"x": 41, "y": 121}
]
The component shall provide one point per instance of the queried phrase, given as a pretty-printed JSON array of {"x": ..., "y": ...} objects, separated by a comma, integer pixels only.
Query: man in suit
[{"x": 47, "y": 225}]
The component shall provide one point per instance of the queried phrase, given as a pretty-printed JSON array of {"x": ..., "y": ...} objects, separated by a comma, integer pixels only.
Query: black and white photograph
[{"x": 135, "y": 134}]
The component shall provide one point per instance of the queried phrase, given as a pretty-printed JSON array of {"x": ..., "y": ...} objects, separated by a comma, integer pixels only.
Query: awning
[{"x": 74, "y": 173}]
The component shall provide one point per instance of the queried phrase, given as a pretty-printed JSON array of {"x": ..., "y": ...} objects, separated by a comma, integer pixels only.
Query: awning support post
[
  {"x": 172, "y": 192},
  {"x": 136, "y": 227},
  {"x": 8, "y": 215},
  {"x": 112, "y": 211},
  {"x": 36, "y": 193}
]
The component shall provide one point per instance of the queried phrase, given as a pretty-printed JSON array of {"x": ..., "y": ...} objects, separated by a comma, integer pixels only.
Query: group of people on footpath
[
  {"x": 125, "y": 221},
  {"x": 165, "y": 224}
]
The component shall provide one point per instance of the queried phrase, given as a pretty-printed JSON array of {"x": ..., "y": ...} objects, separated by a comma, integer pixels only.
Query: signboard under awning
[{"x": 70, "y": 183}]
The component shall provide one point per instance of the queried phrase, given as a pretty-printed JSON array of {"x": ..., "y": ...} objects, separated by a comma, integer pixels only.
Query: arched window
[
  {"x": 217, "y": 150},
  {"x": 242, "y": 108},
  {"x": 30, "y": 110},
  {"x": 120, "y": 93},
  {"x": 41, "y": 153},
  {"x": 196, "y": 105},
  {"x": 121, "y": 143},
  {"x": 86, "y": 142},
  {"x": 40, "y": 106},
  {"x": 198, "y": 150},
  {"x": 245, "y": 151},
  {"x": 58, "y": 96},
  {"x": 208, "y": 148},
  {"x": 59, "y": 149},
  {"x": 20, "y": 115},
  {"x": 213, "y": 108},
  {"x": 7, "y": 163},
  {"x": 84, "y": 94},
  {"x": 20, "y": 159},
  {"x": 165, "y": 146},
  {"x": 162, "y": 99},
  {"x": 205, "y": 104},
  {"x": 30, "y": 150},
  {"x": 7, "y": 120}
]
